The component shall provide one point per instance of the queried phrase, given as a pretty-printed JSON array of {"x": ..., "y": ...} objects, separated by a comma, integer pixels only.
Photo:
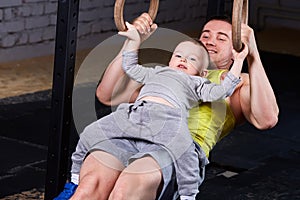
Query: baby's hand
[
  {"x": 132, "y": 33},
  {"x": 241, "y": 55}
]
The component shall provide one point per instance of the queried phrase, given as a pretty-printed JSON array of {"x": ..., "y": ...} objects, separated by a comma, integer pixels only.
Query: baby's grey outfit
[{"x": 147, "y": 128}]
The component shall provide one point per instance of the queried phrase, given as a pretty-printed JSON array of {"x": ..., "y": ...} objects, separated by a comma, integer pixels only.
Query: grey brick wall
[{"x": 27, "y": 27}]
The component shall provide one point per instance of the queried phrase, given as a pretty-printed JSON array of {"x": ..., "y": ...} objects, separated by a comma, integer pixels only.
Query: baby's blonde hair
[{"x": 198, "y": 42}]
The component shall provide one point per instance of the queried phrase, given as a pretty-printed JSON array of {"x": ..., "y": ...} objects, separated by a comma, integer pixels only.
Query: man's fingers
[
  {"x": 147, "y": 17},
  {"x": 143, "y": 23},
  {"x": 141, "y": 26}
]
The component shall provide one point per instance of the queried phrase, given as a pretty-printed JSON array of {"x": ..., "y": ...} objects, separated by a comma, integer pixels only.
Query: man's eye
[{"x": 204, "y": 36}]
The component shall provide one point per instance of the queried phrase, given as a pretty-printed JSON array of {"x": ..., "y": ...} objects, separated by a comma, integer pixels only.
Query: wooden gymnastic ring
[
  {"x": 118, "y": 13},
  {"x": 239, "y": 15}
]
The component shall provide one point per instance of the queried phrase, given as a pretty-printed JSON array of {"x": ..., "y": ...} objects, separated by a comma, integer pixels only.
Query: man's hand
[
  {"x": 145, "y": 26},
  {"x": 248, "y": 38}
]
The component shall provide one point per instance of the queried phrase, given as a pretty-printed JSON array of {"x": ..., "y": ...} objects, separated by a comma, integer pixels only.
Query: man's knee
[
  {"x": 137, "y": 186},
  {"x": 87, "y": 188}
]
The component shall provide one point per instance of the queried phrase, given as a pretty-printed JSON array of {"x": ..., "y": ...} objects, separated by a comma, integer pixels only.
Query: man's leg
[
  {"x": 141, "y": 180},
  {"x": 98, "y": 175}
]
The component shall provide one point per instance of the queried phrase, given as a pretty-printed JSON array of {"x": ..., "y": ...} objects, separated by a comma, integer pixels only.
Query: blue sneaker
[{"x": 68, "y": 192}]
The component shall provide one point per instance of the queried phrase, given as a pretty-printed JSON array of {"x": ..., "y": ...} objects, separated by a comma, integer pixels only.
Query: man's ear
[{"x": 204, "y": 73}]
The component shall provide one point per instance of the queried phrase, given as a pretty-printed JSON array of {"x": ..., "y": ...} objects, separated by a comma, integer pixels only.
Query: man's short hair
[{"x": 224, "y": 18}]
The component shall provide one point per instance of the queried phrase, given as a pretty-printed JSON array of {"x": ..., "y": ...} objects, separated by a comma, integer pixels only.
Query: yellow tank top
[{"x": 210, "y": 122}]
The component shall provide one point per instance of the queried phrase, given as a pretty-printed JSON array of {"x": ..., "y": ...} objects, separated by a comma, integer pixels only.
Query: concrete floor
[{"x": 248, "y": 164}]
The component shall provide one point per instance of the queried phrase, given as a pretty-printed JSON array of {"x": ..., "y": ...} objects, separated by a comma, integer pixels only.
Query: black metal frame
[
  {"x": 62, "y": 88},
  {"x": 215, "y": 7}
]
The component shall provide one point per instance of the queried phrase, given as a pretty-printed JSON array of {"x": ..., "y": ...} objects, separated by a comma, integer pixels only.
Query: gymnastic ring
[
  {"x": 239, "y": 15},
  {"x": 118, "y": 13}
]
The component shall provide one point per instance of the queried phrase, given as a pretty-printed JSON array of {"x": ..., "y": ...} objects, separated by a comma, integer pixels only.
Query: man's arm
[
  {"x": 257, "y": 97},
  {"x": 116, "y": 87}
]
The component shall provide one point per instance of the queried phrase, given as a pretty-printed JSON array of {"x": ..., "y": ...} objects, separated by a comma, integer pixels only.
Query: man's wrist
[{"x": 238, "y": 61}]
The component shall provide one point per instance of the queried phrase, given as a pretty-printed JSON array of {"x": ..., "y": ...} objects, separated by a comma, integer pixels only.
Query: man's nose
[{"x": 210, "y": 41}]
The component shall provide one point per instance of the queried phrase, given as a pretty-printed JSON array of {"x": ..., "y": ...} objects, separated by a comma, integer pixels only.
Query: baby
[{"x": 156, "y": 123}]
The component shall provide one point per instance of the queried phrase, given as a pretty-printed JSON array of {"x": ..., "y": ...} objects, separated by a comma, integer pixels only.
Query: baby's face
[{"x": 189, "y": 58}]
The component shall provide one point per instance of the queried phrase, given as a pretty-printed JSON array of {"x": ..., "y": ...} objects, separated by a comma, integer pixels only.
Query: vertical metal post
[
  {"x": 215, "y": 7},
  {"x": 61, "y": 102}
]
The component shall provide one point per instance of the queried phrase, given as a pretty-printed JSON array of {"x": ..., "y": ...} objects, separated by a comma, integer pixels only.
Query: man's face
[{"x": 216, "y": 36}]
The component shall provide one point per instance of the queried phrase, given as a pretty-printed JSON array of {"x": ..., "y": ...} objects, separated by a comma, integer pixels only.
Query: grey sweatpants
[{"x": 146, "y": 129}]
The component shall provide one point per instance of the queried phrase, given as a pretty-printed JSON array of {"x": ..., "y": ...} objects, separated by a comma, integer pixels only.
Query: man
[{"x": 253, "y": 101}]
